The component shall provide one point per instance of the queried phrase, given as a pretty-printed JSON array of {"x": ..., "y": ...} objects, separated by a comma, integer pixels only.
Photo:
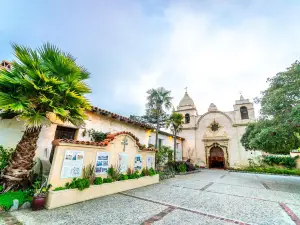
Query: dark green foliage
[
  {"x": 5, "y": 155},
  {"x": 1, "y": 188},
  {"x": 6, "y": 199},
  {"x": 197, "y": 166},
  {"x": 60, "y": 188},
  {"x": 80, "y": 183},
  {"x": 162, "y": 155},
  {"x": 98, "y": 181},
  {"x": 123, "y": 177},
  {"x": 152, "y": 172},
  {"x": 272, "y": 170},
  {"x": 97, "y": 135},
  {"x": 182, "y": 168},
  {"x": 132, "y": 174},
  {"x": 107, "y": 180},
  {"x": 278, "y": 129},
  {"x": 289, "y": 162}
]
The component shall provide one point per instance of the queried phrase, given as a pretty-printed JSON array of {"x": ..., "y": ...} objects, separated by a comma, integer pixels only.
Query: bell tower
[
  {"x": 243, "y": 111},
  {"x": 188, "y": 109}
]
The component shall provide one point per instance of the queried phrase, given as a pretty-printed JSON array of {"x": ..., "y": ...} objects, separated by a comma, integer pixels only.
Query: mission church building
[{"x": 213, "y": 138}]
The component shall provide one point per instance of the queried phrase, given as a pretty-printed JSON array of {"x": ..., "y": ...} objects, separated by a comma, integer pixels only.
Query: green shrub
[
  {"x": 1, "y": 188},
  {"x": 289, "y": 162},
  {"x": 95, "y": 135},
  {"x": 123, "y": 177},
  {"x": 182, "y": 168},
  {"x": 114, "y": 172},
  {"x": 197, "y": 166},
  {"x": 60, "y": 188},
  {"x": 145, "y": 172},
  {"x": 272, "y": 170},
  {"x": 152, "y": 172},
  {"x": 71, "y": 185},
  {"x": 6, "y": 199},
  {"x": 162, "y": 155},
  {"x": 98, "y": 181},
  {"x": 5, "y": 155},
  {"x": 82, "y": 183},
  {"x": 107, "y": 180}
]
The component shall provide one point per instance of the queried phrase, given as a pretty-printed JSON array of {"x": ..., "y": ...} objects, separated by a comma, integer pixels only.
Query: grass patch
[{"x": 6, "y": 199}]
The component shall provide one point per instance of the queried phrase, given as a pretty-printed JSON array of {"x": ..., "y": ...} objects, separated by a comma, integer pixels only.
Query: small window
[
  {"x": 65, "y": 133},
  {"x": 244, "y": 113},
  {"x": 187, "y": 118},
  {"x": 160, "y": 142}
]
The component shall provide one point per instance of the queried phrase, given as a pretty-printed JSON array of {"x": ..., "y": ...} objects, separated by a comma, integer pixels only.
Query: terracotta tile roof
[
  {"x": 127, "y": 120},
  {"x": 121, "y": 118},
  {"x": 106, "y": 141}
]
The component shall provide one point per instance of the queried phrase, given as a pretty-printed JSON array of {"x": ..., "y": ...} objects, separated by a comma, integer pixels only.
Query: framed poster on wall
[
  {"x": 72, "y": 164},
  {"x": 102, "y": 162},
  {"x": 123, "y": 162},
  {"x": 150, "y": 161},
  {"x": 138, "y": 162}
]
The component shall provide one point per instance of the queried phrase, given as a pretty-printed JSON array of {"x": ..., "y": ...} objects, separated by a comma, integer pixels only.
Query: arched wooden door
[{"x": 216, "y": 158}]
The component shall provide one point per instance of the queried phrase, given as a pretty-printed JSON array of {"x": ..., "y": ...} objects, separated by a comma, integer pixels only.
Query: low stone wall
[{"x": 67, "y": 197}]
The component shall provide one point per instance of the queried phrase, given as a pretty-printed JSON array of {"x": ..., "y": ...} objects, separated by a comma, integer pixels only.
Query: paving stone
[
  {"x": 113, "y": 209},
  {"x": 271, "y": 195},
  {"x": 184, "y": 218}
]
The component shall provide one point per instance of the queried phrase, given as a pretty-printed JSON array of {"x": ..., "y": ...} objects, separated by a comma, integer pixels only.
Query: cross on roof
[
  {"x": 124, "y": 142},
  {"x": 185, "y": 89}
]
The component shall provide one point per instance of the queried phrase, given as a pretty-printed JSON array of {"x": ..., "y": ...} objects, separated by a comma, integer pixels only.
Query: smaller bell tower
[{"x": 243, "y": 111}]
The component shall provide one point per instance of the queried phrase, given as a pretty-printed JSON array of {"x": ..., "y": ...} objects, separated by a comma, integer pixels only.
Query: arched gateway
[{"x": 216, "y": 158}]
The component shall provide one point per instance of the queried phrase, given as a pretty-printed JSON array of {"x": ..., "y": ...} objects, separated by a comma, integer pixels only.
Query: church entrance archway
[{"x": 216, "y": 158}]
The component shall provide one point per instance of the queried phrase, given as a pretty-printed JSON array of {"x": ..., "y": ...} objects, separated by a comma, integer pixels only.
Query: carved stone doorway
[{"x": 216, "y": 158}]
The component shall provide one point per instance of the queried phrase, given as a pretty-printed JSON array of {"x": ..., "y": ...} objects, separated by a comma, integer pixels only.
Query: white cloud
[{"x": 218, "y": 60}]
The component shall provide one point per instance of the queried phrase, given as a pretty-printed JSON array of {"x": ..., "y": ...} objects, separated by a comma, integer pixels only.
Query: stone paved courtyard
[{"x": 209, "y": 197}]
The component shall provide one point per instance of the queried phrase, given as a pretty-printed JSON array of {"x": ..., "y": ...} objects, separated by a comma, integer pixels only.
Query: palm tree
[
  {"x": 43, "y": 83},
  {"x": 175, "y": 122},
  {"x": 159, "y": 101}
]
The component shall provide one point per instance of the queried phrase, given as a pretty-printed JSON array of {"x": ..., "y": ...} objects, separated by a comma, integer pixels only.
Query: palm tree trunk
[
  {"x": 17, "y": 171},
  {"x": 175, "y": 145},
  {"x": 156, "y": 135}
]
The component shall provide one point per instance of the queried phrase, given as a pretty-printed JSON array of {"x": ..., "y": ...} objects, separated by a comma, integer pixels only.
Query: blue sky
[{"x": 215, "y": 48}]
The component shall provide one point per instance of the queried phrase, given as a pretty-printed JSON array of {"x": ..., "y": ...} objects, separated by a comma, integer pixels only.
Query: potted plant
[{"x": 40, "y": 193}]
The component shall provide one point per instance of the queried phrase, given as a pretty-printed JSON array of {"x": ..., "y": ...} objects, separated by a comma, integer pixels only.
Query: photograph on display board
[
  {"x": 72, "y": 164},
  {"x": 102, "y": 162},
  {"x": 138, "y": 162}
]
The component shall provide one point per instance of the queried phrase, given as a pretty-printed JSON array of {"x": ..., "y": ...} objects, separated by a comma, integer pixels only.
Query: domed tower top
[{"x": 186, "y": 101}]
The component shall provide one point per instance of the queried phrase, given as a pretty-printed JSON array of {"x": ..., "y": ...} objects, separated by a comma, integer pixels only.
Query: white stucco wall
[{"x": 11, "y": 132}]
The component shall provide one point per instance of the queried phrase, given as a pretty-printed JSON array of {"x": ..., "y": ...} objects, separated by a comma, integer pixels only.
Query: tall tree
[
  {"x": 278, "y": 129},
  {"x": 175, "y": 122},
  {"x": 159, "y": 101},
  {"x": 43, "y": 84}
]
